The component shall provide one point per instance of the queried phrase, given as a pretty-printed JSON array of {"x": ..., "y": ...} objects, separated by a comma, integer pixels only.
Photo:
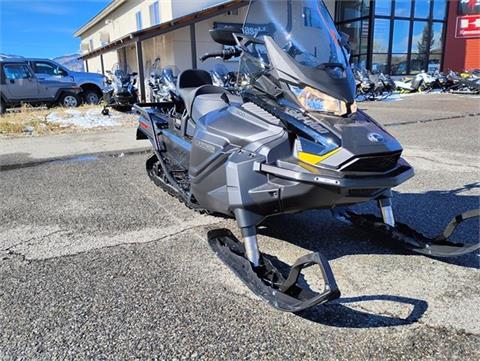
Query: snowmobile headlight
[{"x": 315, "y": 101}]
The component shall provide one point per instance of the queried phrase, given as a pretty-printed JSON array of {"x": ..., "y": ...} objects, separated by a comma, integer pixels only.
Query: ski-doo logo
[{"x": 375, "y": 137}]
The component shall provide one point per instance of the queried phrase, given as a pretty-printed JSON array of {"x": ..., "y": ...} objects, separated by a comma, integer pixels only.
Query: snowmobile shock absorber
[
  {"x": 249, "y": 235},
  {"x": 385, "y": 205}
]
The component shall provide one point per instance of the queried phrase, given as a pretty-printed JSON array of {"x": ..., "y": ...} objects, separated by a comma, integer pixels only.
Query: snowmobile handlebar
[{"x": 224, "y": 54}]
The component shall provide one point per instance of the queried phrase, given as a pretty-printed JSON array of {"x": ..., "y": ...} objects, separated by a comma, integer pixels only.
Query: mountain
[{"x": 70, "y": 61}]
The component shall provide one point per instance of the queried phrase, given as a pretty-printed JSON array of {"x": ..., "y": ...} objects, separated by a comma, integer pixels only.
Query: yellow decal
[{"x": 314, "y": 158}]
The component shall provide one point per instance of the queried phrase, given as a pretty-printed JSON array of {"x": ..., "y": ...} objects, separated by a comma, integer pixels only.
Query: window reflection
[
  {"x": 437, "y": 32},
  {"x": 352, "y": 9},
  {"x": 364, "y": 36},
  {"x": 353, "y": 31},
  {"x": 403, "y": 8},
  {"x": 422, "y": 9},
  {"x": 383, "y": 7},
  {"x": 400, "y": 36},
  {"x": 381, "y": 33},
  {"x": 421, "y": 38},
  {"x": 439, "y": 9},
  {"x": 399, "y": 64},
  {"x": 417, "y": 63},
  {"x": 434, "y": 62},
  {"x": 379, "y": 63}
]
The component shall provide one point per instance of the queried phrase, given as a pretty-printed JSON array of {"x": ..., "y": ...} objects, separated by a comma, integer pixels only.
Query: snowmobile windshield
[
  {"x": 170, "y": 73},
  {"x": 302, "y": 28},
  {"x": 299, "y": 39},
  {"x": 220, "y": 69}
]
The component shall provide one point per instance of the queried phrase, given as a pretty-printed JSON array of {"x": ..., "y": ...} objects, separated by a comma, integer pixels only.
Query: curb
[{"x": 76, "y": 157}]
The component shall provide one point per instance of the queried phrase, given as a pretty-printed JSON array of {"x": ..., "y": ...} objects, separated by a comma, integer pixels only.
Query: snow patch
[{"x": 91, "y": 118}]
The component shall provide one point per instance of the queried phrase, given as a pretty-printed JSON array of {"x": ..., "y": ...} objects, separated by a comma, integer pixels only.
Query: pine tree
[{"x": 425, "y": 43}]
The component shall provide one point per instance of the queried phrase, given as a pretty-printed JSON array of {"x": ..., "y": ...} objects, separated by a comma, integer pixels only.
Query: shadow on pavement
[
  {"x": 429, "y": 213},
  {"x": 318, "y": 231},
  {"x": 337, "y": 314}
]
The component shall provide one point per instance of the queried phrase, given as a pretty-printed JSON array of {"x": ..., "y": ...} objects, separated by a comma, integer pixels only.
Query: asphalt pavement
[{"x": 98, "y": 263}]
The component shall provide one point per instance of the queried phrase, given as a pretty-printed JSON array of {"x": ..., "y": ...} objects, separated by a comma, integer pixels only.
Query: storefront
[
  {"x": 397, "y": 37},
  {"x": 408, "y": 36}
]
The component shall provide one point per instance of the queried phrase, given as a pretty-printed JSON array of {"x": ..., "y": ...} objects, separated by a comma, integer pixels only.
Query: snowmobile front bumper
[
  {"x": 285, "y": 294},
  {"x": 392, "y": 179}
]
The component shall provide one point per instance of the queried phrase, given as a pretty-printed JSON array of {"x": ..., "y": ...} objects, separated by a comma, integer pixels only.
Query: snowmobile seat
[{"x": 194, "y": 82}]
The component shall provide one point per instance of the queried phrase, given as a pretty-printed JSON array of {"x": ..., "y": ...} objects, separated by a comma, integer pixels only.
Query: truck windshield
[{"x": 302, "y": 28}]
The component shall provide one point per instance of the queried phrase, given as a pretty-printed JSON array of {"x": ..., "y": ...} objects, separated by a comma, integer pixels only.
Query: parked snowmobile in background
[
  {"x": 372, "y": 86},
  {"x": 224, "y": 78},
  {"x": 422, "y": 82},
  {"x": 291, "y": 140},
  {"x": 459, "y": 84},
  {"x": 121, "y": 94},
  {"x": 165, "y": 84},
  {"x": 152, "y": 82}
]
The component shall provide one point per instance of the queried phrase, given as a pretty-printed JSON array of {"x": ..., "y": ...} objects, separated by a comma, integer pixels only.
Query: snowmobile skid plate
[
  {"x": 267, "y": 282},
  {"x": 439, "y": 246}
]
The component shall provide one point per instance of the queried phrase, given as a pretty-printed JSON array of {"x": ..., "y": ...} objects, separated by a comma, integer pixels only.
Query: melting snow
[{"x": 91, "y": 118}]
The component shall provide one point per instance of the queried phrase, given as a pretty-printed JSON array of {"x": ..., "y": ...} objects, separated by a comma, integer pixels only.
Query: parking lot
[{"x": 96, "y": 262}]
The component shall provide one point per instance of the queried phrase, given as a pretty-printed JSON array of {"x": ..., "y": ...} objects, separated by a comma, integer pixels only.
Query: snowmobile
[
  {"x": 164, "y": 85},
  {"x": 224, "y": 78},
  {"x": 422, "y": 82},
  {"x": 121, "y": 93},
  {"x": 291, "y": 140},
  {"x": 463, "y": 84}
]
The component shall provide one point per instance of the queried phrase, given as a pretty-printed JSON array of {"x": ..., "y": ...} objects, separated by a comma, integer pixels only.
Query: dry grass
[{"x": 28, "y": 120}]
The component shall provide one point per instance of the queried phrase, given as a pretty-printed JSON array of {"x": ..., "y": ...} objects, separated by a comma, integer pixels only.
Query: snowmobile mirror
[
  {"x": 345, "y": 41},
  {"x": 134, "y": 74},
  {"x": 223, "y": 36}
]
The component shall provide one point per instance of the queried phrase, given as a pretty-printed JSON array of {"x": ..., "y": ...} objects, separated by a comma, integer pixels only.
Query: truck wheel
[
  {"x": 3, "y": 106},
  {"x": 69, "y": 100},
  {"x": 91, "y": 97}
]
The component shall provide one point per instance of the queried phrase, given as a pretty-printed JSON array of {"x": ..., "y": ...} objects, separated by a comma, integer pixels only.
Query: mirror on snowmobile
[
  {"x": 345, "y": 41},
  {"x": 223, "y": 36},
  {"x": 134, "y": 74}
]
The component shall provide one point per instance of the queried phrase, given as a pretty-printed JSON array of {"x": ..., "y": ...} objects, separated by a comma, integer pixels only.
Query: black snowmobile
[
  {"x": 292, "y": 140},
  {"x": 121, "y": 93}
]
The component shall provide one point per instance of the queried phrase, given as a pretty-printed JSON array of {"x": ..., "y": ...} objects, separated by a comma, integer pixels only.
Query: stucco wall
[{"x": 122, "y": 21}]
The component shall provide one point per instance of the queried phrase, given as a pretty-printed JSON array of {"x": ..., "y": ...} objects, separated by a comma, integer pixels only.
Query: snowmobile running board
[
  {"x": 402, "y": 234},
  {"x": 285, "y": 294}
]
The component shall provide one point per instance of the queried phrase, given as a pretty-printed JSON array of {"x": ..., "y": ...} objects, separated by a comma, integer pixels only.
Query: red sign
[{"x": 468, "y": 26}]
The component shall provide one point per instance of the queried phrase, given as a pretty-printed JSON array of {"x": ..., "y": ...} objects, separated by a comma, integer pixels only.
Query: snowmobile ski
[
  {"x": 407, "y": 237},
  {"x": 267, "y": 282}
]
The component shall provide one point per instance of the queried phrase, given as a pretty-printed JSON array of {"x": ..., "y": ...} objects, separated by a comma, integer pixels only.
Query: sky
[{"x": 44, "y": 29}]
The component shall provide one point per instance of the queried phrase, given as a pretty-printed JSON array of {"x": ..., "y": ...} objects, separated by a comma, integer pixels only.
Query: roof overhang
[
  {"x": 168, "y": 26},
  {"x": 115, "y": 4}
]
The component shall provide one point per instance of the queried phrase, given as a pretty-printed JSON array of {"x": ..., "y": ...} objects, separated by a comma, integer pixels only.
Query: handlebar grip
[
  {"x": 224, "y": 54},
  {"x": 211, "y": 55}
]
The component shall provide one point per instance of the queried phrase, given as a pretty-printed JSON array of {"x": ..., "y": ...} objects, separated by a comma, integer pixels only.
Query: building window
[
  {"x": 383, "y": 7},
  {"x": 400, "y": 36},
  {"x": 403, "y": 8},
  {"x": 154, "y": 14},
  {"x": 422, "y": 9},
  {"x": 138, "y": 18},
  {"x": 353, "y": 9},
  {"x": 407, "y": 35}
]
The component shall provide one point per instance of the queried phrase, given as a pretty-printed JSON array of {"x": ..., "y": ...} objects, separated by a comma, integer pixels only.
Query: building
[
  {"x": 405, "y": 37},
  {"x": 393, "y": 36}
]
